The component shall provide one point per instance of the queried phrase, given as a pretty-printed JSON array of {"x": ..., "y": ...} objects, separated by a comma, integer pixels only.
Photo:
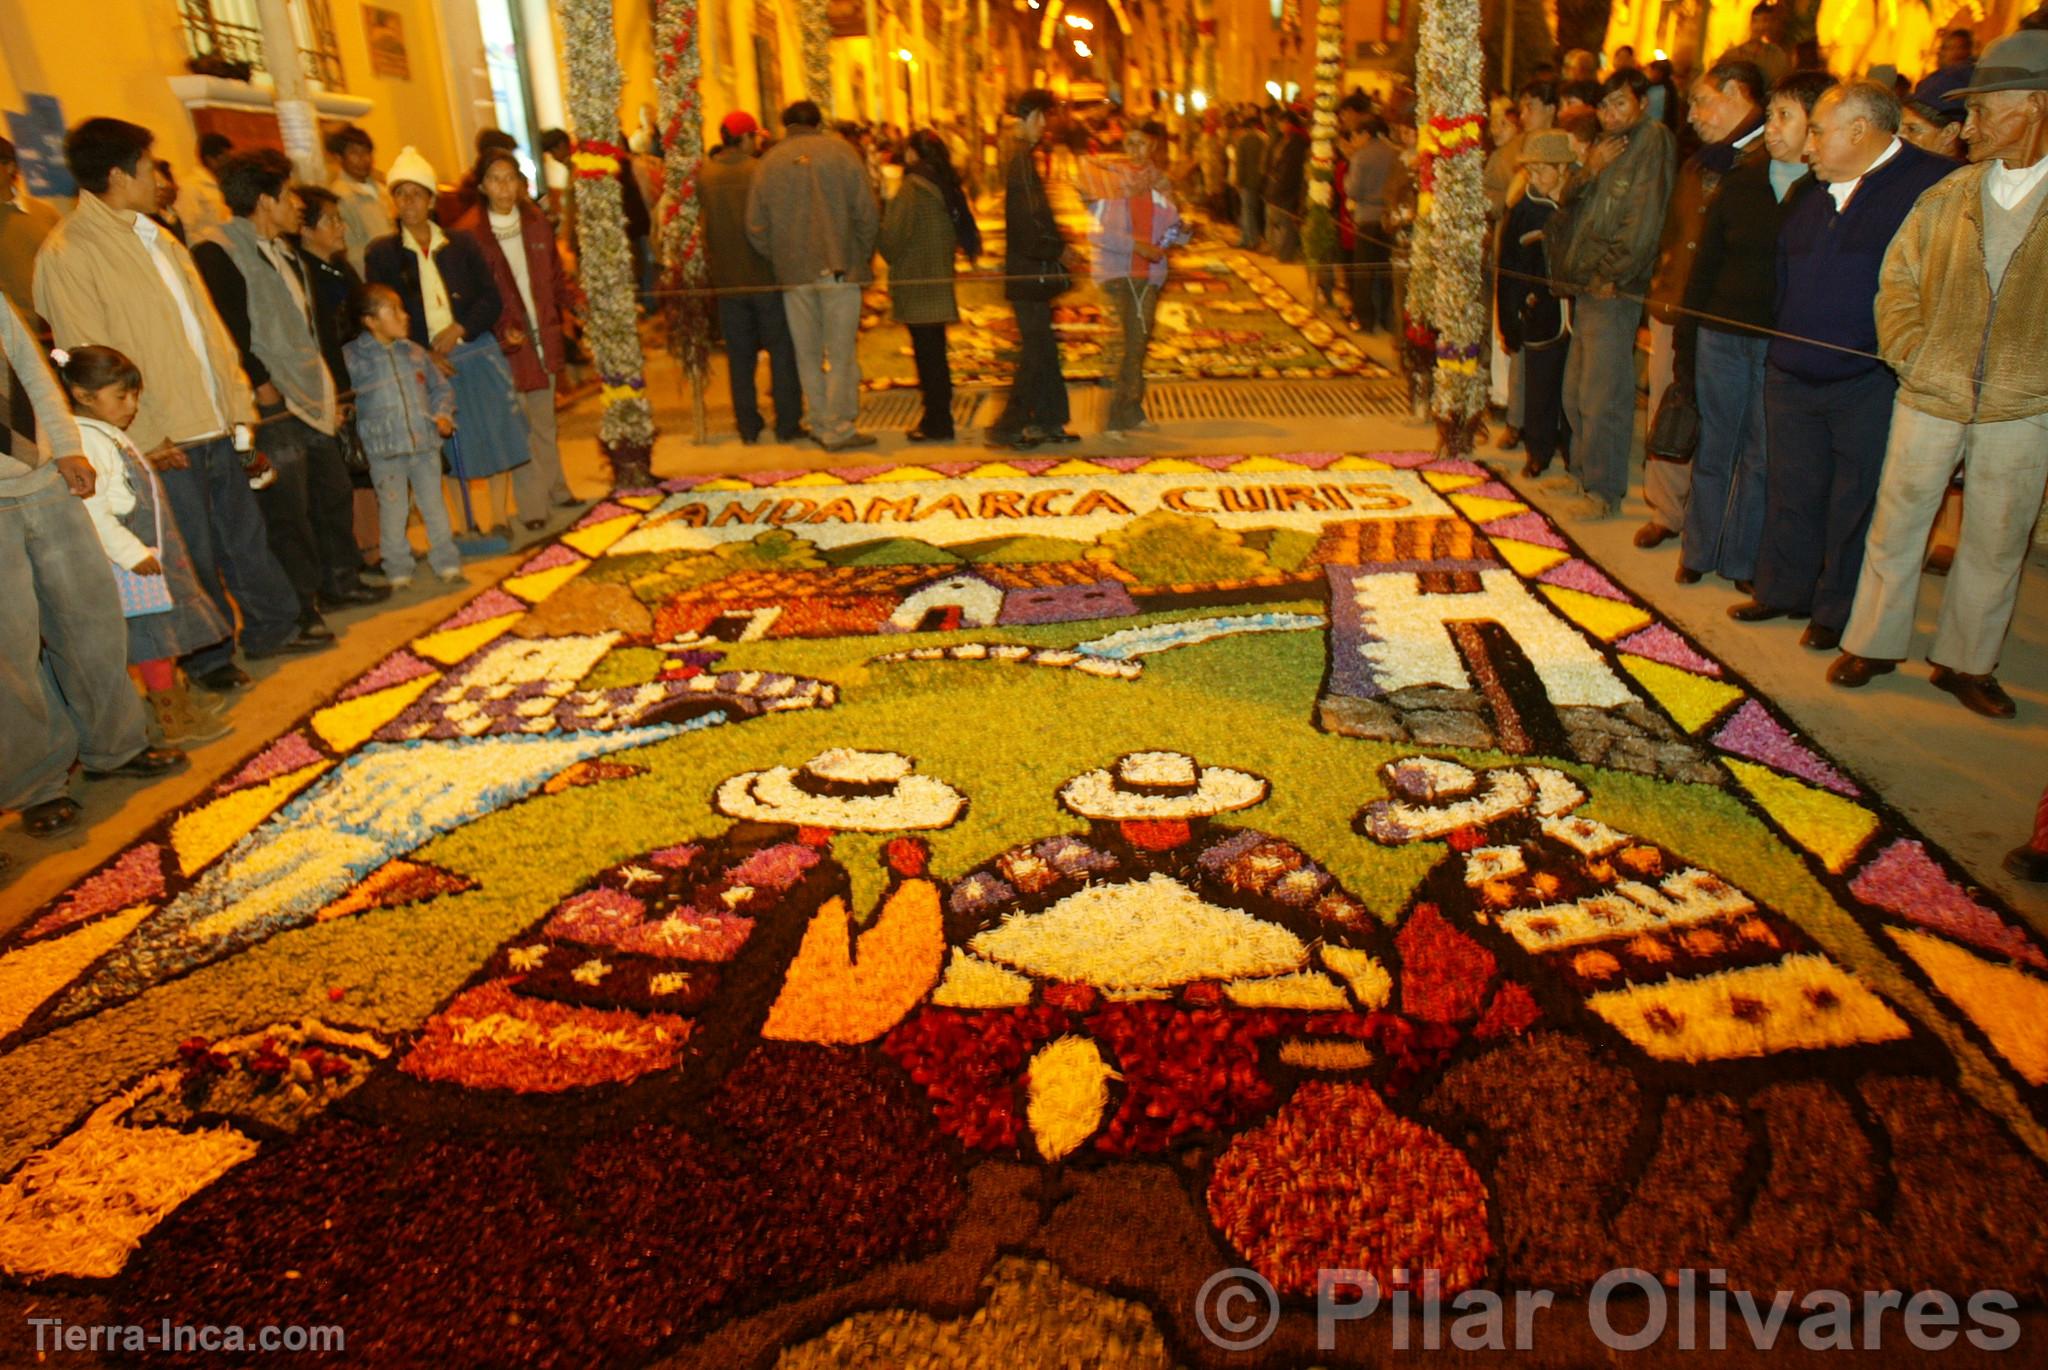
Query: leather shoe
[
  {"x": 2027, "y": 863},
  {"x": 147, "y": 762},
  {"x": 360, "y": 594},
  {"x": 1006, "y": 442},
  {"x": 1510, "y": 438},
  {"x": 1853, "y": 672},
  {"x": 1750, "y": 611},
  {"x": 316, "y": 630},
  {"x": 1820, "y": 639},
  {"x": 297, "y": 646},
  {"x": 223, "y": 679},
  {"x": 919, "y": 435},
  {"x": 1687, "y": 576},
  {"x": 1051, "y": 435},
  {"x": 1654, "y": 534},
  {"x": 1533, "y": 468},
  {"x": 1980, "y": 693}
]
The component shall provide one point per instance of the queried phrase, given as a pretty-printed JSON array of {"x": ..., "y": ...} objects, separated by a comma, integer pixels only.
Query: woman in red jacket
[{"x": 519, "y": 247}]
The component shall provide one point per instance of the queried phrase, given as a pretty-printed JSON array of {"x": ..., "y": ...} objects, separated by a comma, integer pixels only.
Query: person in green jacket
[{"x": 926, "y": 224}]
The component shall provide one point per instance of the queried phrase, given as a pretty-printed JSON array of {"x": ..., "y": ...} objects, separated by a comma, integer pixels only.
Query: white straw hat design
[
  {"x": 845, "y": 789},
  {"x": 1152, "y": 785}
]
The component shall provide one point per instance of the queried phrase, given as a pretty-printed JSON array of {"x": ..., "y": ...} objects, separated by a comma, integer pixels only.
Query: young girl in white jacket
[{"x": 168, "y": 614}]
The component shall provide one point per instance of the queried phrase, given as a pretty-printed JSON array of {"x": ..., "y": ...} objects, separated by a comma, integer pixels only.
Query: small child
[
  {"x": 1532, "y": 319},
  {"x": 168, "y": 614},
  {"x": 404, "y": 409}
]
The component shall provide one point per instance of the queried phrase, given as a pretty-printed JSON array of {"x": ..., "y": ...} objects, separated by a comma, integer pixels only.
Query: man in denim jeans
[
  {"x": 64, "y": 687},
  {"x": 110, "y": 275}
]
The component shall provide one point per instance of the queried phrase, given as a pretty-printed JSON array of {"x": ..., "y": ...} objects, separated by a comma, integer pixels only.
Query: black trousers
[
  {"x": 309, "y": 511},
  {"x": 1826, "y": 445},
  {"x": 753, "y": 324},
  {"x": 1543, "y": 398},
  {"x": 934, "y": 377},
  {"x": 1038, "y": 397},
  {"x": 1372, "y": 282}
]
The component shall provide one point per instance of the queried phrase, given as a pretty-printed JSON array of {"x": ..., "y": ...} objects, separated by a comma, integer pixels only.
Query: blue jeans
[
  {"x": 754, "y": 324},
  {"x": 402, "y": 482},
  {"x": 65, "y": 695},
  {"x": 1724, "y": 519},
  {"x": 224, "y": 532},
  {"x": 1827, "y": 444},
  {"x": 1600, "y": 393}
]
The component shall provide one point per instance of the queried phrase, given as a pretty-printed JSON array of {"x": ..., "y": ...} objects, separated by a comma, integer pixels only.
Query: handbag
[
  {"x": 141, "y": 595},
  {"x": 1675, "y": 431}
]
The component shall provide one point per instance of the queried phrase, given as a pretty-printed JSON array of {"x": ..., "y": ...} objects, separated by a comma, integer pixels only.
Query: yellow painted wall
[{"x": 115, "y": 59}]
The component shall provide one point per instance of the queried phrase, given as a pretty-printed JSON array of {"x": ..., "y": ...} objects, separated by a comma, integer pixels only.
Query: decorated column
[
  {"x": 605, "y": 264},
  {"x": 681, "y": 233},
  {"x": 1319, "y": 232},
  {"x": 1446, "y": 280},
  {"x": 816, "y": 18}
]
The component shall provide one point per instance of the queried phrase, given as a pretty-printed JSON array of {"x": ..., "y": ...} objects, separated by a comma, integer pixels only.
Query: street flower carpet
[
  {"x": 950, "y": 912},
  {"x": 1220, "y": 316}
]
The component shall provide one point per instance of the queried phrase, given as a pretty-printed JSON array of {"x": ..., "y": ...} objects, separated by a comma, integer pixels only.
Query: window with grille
[{"x": 231, "y": 32}]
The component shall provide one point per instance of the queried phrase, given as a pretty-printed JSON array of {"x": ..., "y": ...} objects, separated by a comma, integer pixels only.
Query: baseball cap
[{"x": 738, "y": 124}]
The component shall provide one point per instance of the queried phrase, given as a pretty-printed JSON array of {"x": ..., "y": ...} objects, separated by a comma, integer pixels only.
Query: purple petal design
[
  {"x": 1754, "y": 735},
  {"x": 1906, "y": 881}
]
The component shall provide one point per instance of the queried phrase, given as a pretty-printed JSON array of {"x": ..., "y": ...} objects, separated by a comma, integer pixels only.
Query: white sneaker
[
  {"x": 398, "y": 582},
  {"x": 449, "y": 577}
]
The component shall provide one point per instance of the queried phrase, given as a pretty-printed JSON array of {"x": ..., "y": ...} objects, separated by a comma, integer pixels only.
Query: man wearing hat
[
  {"x": 750, "y": 312},
  {"x": 1973, "y": 389}
]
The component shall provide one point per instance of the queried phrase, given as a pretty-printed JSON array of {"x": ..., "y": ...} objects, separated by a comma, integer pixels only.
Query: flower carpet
[{"x": 925, "y": 913}]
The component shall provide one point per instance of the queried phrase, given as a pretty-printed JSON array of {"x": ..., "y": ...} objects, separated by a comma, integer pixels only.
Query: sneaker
[
  {"x": 450, "y": 577},
  {"x": 182, "y": 723},
  {"x": 1594, "y": 509},
  {"x": 850, "y": 441},
  {"x": 223, "y": 679},
  {"x": 399, "y": 582}
]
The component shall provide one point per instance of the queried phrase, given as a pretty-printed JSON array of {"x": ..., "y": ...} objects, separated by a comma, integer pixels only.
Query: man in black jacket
[
  {"x": 1037, "y": 262},
  {"x": 1286, "y": 185}
]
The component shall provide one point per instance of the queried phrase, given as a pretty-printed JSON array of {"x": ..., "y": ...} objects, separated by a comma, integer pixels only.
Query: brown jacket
[
  {"x": 1962, "y": 354},
  {"x": 95, "y": 283}
]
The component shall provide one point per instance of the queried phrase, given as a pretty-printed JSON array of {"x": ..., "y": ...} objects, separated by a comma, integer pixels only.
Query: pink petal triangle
[
  {"x": 1906, "y": 881},
  {"x": 1120, "y": 463},
  {"x": 1528, "y": 527},
  {"x": 676, "y": 485},
  {"x": 136, "y": 876},
  {"x": 1407, "y": 460},
  {"x": 954, "y": 468},
  {"x": 1492, "y": 489},
  {"x": 1753, "y": 734},
  {"x": 1659, "y": 643},
  {"x": 1038, "y": 466},
  {"x": 856, "y": 474},
  {"x": 288, "y": 753},
  {"x": 761, "y": 478},
  {"x": 1317, "y": 460},
  {"x": 604, "y": 510},
  {"x": 1457, "y": 466},
  {"x": 395, "y": 669},
  {"x": 490, "y": 604},
  {"x": 556, "y": 554},
  {"x": 1580, "y": 575}
]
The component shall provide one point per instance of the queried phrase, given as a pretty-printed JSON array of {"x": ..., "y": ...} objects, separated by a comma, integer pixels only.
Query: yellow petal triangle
[
  {"x": 203, "y": 834},
  {"x": 1267, "y": 464},
  {"x": 810, "y": 478},
  {"x": 724, "y": 483},
  {"x": 644, "y": 503},
  {"x": 1171, "y": 466},
  {"x": 1606, "y": 619},
  {"x": 536, "y": 586},
  {"x": 39, "y": 970},
  {"x": 1824, "y": 823},
  {"x": 1694, "y": 700},
  {"x": 593, "y": 540},
  {"x": 2009, "y": 1004},
  {"x": 1448, "y": 481},
  {"x": 1485, "y": 508},
  {"x": 451, "y": 645},
  {"x": 907, "y": 473},
  {"x": 347, "y": 725},
  {"x": 1359, "y": 464},
  {"x": 998, "y": 470},
  {"x": 1528, "y": 559},
  {"x": 1075, "y": 466}
]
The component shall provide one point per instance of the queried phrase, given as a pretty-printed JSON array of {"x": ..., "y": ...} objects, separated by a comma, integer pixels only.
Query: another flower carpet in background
[{"x": 891, "y": 903}]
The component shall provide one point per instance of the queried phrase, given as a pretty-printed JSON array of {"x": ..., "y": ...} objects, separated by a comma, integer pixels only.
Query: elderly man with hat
[
  {"x": 750, "y": 312},
  {"x": 1958, "y": 317}
]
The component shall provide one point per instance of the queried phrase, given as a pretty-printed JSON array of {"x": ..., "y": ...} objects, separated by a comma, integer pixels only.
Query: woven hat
[
  {"x": 1151, "y": 785},
  {"x": 1552, "y": 145},
  {"x": 2018, "y": 61},
  {"x": 410, "y": 166},
  {"x": 844, "y": 789}
]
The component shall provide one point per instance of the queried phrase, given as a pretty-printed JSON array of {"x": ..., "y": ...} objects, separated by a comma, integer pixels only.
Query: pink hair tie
[{"x": 60, "y": 356}]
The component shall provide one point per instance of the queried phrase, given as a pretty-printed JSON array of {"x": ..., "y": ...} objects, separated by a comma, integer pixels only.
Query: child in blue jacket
[{"x": 404, "y": 409}]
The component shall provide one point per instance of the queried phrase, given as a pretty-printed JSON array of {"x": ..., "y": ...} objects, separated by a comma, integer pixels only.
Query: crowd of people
[{"x": 199, "y": 384}]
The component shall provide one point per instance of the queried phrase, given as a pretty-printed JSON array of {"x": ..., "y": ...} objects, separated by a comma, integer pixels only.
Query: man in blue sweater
[{"x": 1828, "y": 397}]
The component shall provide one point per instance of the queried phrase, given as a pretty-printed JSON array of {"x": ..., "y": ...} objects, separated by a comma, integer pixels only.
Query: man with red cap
[{"x": 750, "y": 312}]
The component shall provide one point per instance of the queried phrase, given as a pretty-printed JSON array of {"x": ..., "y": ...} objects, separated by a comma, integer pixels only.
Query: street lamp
[
  {"x": 1076, "y": 21},
  {"x": 1081, "y": 49}
]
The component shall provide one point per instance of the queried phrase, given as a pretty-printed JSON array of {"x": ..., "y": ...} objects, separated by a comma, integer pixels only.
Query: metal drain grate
[
  {"x": 897, "y": 411},
  {"x": 1339, "y": 399}
]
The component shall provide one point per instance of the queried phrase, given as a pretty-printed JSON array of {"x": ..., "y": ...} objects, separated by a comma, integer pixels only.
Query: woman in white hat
[{"x": 454, "y": 305}]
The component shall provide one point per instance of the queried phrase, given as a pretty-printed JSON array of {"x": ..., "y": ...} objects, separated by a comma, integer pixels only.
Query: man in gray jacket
[
  {"x": 1617, "y": 202},
  {"x": 812, "y": 214}
]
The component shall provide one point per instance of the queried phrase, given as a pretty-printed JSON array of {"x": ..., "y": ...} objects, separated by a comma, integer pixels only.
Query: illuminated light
[
  {"x": 1075, "y": 21},
  {"x": 1081, "y": 49},
  {"x": 1201, "y": 99},
  {"x": 904, "y": 55},
  {"x": 1180, "y": 104},
  {"x": 1273, "y": 89},
  {"x": 1662, "y": 56}
]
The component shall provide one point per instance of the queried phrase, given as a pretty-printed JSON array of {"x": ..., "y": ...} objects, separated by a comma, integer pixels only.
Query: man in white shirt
[
  {"x": 110, "y": 274},
  {"x": 1958, "y": 317}
]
